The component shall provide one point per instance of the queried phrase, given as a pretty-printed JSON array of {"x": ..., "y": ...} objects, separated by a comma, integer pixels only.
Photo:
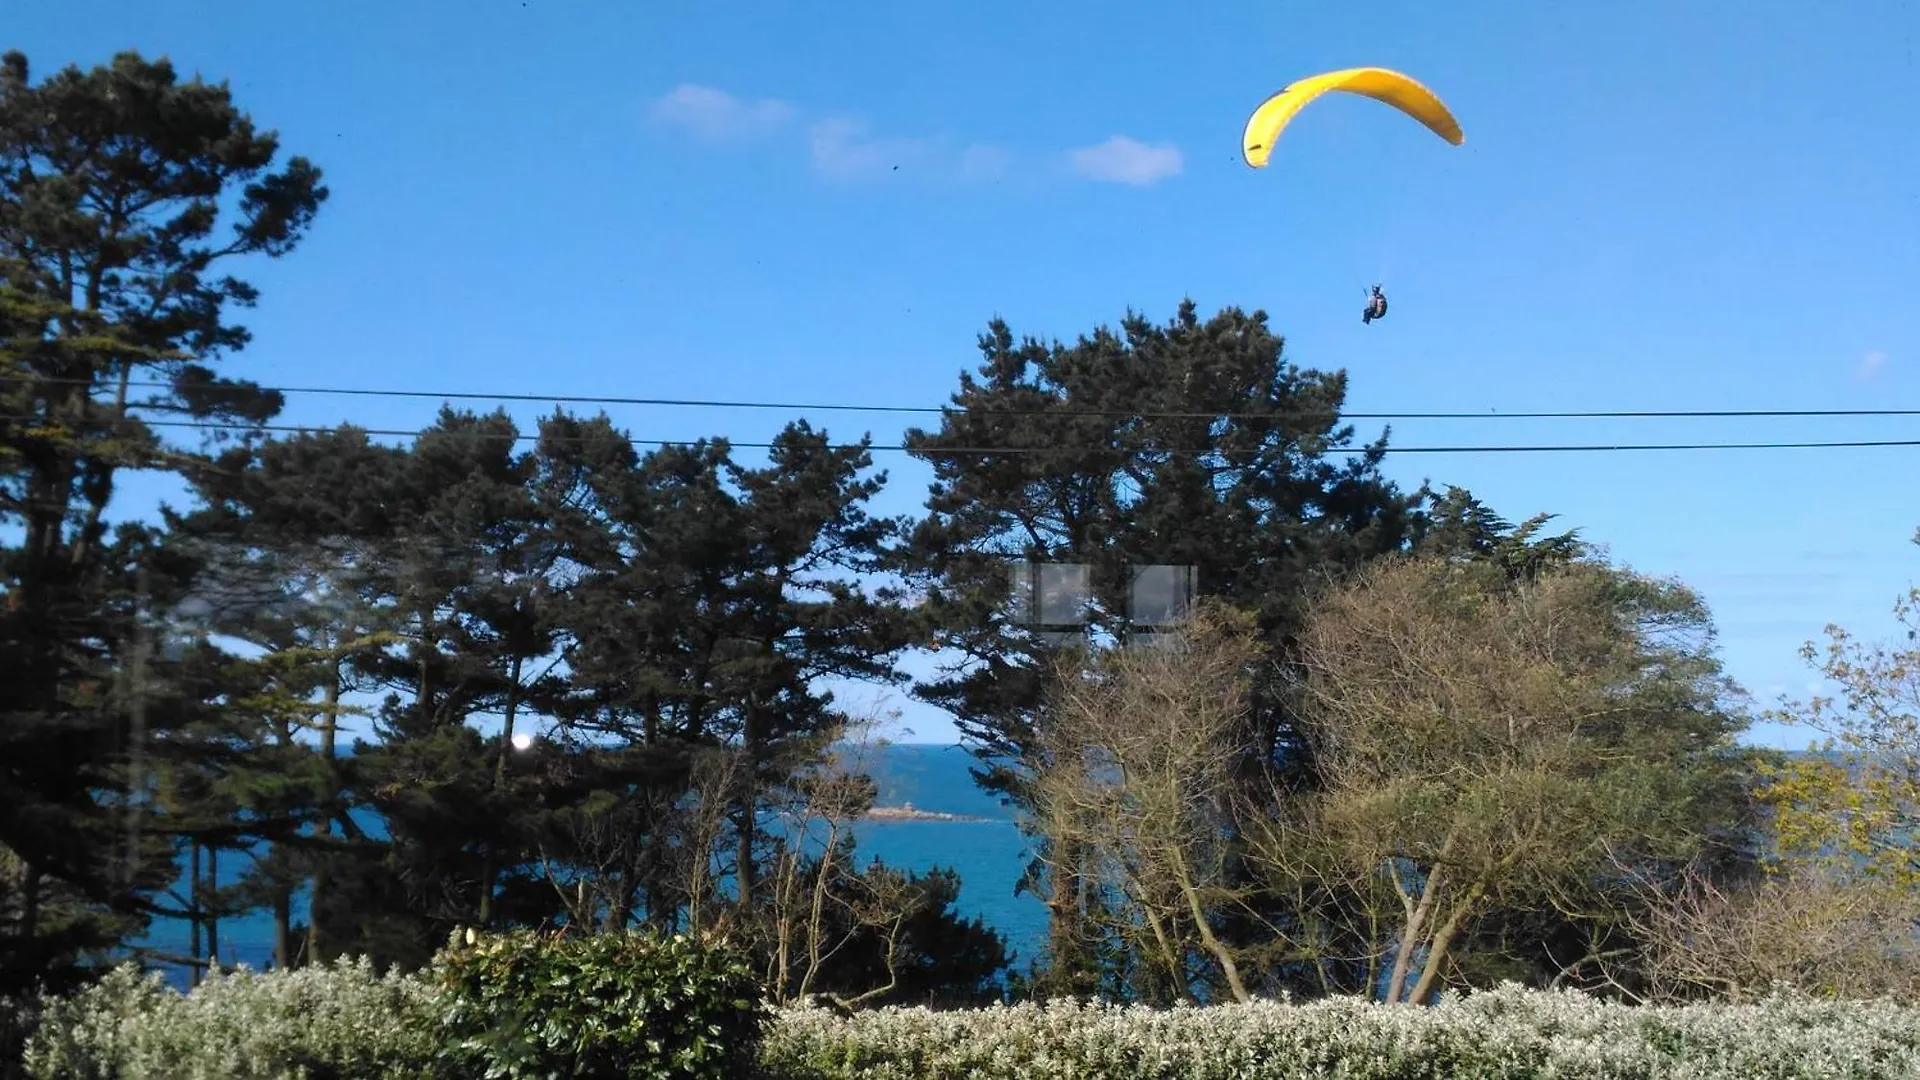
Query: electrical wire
[
  {"x": 954, "y": 451},
  {"x": 936, "y": 410}
]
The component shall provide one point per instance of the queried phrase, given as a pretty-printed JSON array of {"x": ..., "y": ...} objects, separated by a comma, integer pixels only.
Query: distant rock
[{"x": 906, "y": 812}]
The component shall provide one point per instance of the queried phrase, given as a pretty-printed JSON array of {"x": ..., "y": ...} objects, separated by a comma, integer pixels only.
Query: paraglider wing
[{"x": 1380, "y": 84}]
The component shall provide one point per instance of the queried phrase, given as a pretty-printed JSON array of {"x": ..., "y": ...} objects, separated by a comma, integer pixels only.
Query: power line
[
  {"x": 951, "y": 451},
  {"x": 936, "y": 410}
]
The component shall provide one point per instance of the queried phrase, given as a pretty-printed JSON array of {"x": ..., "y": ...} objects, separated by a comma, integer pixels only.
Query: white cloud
[
  {"x": 1871, "y": 364},
  {"x": 844, "y": 149},
  {"x": 717, "y": 116},
  {"x": 982, "y": 162},
  {"x": 1124, "y": 160}
]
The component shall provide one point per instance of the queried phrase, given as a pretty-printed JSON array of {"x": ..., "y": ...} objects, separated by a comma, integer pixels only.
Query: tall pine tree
[{"x": 113, "y": 183}]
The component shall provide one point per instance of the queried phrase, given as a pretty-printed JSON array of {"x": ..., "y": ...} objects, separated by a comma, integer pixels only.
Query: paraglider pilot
[{"x": 1376, "y": 306}]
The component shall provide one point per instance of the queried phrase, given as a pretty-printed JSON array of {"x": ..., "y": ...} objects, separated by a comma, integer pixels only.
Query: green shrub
[
  {"x": 527, "y": 1004},
  {"x": 327, "y": 1022},
  {"x": 1509, "y": 1034}
]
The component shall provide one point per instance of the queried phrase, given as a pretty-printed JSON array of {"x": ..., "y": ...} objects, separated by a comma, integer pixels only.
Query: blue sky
[{"x": 1659, "y": 206}]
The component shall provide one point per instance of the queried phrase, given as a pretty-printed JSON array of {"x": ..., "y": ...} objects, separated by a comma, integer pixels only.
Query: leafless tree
[
  {"x": 1139, "y": 752},
  {"x": 1808, "y": 926},
  {"x": 812, "y": 902}
]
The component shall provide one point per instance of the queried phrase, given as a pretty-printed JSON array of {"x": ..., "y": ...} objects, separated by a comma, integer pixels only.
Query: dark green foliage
[
  {"x": 19, "y": 1019},
  {"x": 530, "y": 1004},
  {"x": 1193, "y": 444},
  {"x": 285, "y": 554},
  {"x": 690, "y": 602},
  {"x": 112, "y": 183},
  {"x": 1463, "y": 528},
  {"x": 708, "y": 600}
]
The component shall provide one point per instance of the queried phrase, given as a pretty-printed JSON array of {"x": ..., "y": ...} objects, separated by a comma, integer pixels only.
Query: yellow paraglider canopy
[{"x": 1380, "y": 84}]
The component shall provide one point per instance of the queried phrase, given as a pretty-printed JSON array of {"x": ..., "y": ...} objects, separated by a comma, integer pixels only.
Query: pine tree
[
  {"x": 112, "y": 183},
  {"x": 712, "y": 599},
  {"x": 1193, "y": 444}
]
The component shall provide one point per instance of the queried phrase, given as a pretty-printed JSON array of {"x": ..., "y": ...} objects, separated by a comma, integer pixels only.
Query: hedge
[
  {"x": 1507, "y": 1034},
  {"x": 345, "y": 1021}
]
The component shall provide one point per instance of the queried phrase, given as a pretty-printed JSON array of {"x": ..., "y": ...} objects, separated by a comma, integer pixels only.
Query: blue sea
[{"x": 989, "y": 855}]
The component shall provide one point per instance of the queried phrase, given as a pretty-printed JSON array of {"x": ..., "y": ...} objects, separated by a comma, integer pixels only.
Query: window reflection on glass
[
  {"x": 1063, "y": 593},
  {"x": 1161, "y": 595}
]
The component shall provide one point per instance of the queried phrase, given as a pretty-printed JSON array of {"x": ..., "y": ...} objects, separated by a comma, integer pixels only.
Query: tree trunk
[
  {"x": 329, "y": 752},
  {"x": 282, "y": 928},
  {"x": 29, "y": 900},
  {"x": 490, "y": 868},
  {"x": 1208, "y": 940},
  {"x": 213, "y": 908},
  {"x": 137, "y": 726},
  {"x": 1442, "y": 939},
  {"x": 1066, "y": 922},
  {"x": 620, "y": 893},
  {"x": 749, "y": 806},
  {"x": 1176, "y": 978},
  {"x": 1417, "y": 918},
  {"x": 194, "y": 921}
]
